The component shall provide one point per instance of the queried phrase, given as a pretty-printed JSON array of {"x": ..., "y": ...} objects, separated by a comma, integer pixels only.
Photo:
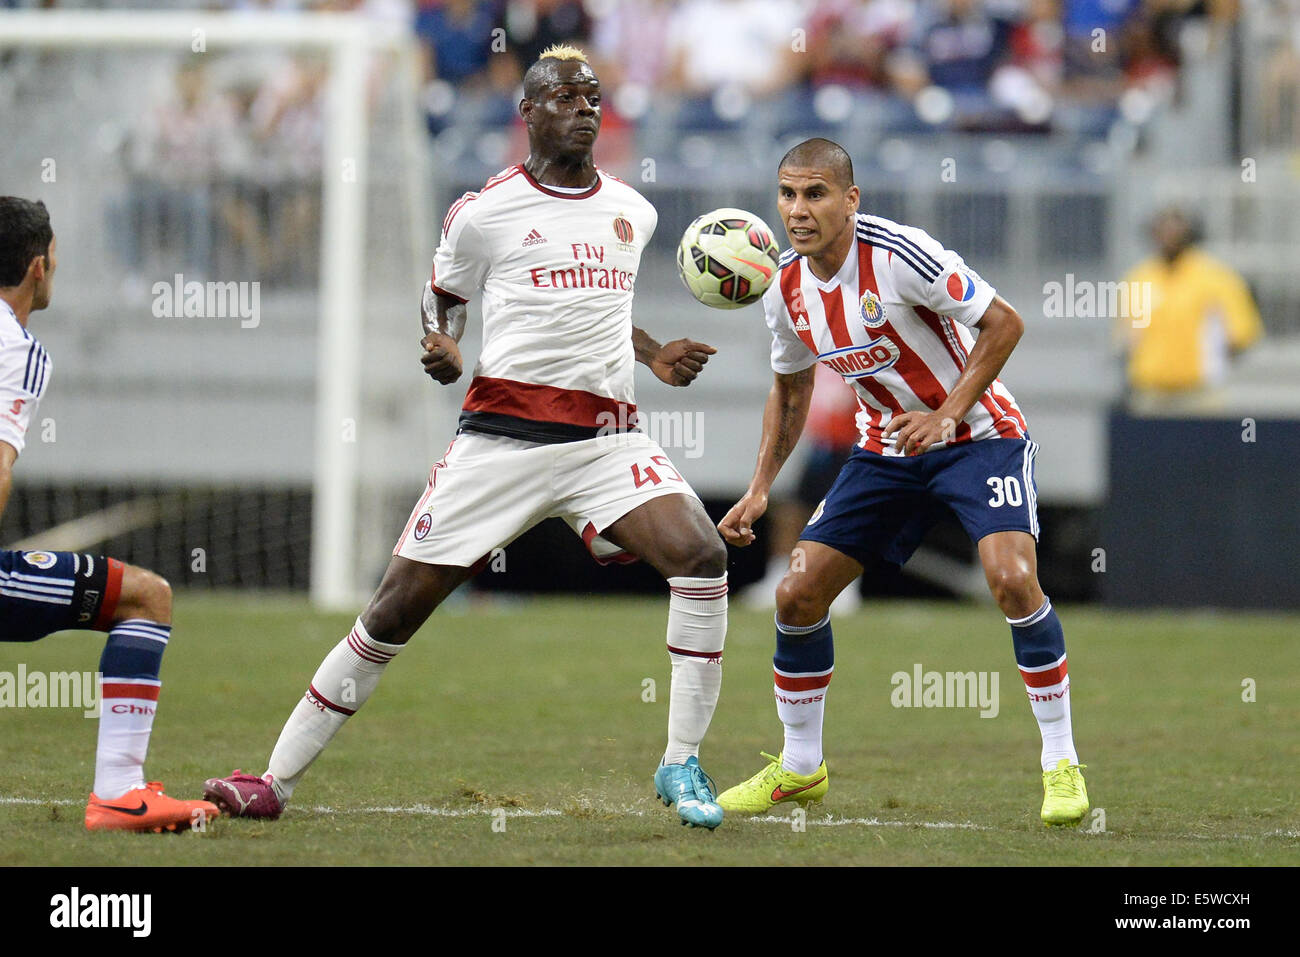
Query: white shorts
[{"x": 490, "y": 489}]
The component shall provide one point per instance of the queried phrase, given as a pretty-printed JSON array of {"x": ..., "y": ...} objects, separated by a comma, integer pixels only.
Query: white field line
[
  {"x": 427, "y": 810},
  {"x": 827, "y": 820}
]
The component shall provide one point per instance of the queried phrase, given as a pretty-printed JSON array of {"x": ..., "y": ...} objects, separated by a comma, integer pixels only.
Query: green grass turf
[{"x": 538, "y": 705}]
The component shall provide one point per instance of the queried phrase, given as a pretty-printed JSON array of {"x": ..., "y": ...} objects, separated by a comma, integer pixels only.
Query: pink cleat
[{"x": 243, "y": 795}]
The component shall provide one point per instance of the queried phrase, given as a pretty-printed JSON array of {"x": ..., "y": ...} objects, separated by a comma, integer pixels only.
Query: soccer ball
[{"x": 727, "y": 258}]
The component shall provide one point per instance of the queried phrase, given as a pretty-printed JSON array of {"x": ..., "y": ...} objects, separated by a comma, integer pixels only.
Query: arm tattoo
[
  {"x": 450, "y": 323},
  {"x": 783, "y": 444},
  {"x": 788, "y": 427}
]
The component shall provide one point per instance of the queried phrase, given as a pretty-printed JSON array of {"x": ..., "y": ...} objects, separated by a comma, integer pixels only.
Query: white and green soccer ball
[{"x": 727, "y": 258}]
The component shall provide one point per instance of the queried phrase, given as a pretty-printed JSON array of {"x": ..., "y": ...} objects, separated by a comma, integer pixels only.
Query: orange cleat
[{"x": 148, "y": 809}]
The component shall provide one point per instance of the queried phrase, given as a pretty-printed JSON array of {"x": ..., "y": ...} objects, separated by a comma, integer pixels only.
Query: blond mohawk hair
[{"x": 563, "y": 51}]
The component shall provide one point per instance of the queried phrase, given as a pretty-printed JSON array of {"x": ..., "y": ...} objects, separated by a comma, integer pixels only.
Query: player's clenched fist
[
  {"x": 441, "y": 358},
  {"x": 916, "y": 432},
  {"x": 737, "y": 526},
  {"x": 680, "y": 361}
]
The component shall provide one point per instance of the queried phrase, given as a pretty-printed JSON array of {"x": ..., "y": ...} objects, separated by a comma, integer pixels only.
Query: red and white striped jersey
[
  {"x": 556, "y": 269},
  {"x": 895, "y": 323}
]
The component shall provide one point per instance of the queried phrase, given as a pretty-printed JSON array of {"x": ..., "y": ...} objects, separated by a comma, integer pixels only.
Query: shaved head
[{"x": 821, "y": 154}]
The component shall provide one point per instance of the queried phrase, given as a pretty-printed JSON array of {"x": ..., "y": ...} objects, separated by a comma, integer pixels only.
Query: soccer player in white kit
[
  {"x": 547, "y": 429},
  {"x": 43, "y": 592}
]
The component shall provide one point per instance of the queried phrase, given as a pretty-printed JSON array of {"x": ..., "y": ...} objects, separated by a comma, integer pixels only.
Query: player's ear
[
  {"x": 525, "y": 108},
  {"x": 853, "y": 197}
]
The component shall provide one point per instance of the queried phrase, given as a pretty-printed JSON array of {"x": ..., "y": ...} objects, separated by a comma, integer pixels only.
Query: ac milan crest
[{"x": 623, "y": 230}]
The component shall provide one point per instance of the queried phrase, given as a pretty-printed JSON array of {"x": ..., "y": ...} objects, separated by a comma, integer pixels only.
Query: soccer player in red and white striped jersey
[{"x": 921, "y": 338}]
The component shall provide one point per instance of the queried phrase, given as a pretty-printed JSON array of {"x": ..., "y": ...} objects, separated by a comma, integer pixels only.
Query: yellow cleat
[
  {"x": 1065, "y": 799},
  {"x": 772, "y": 786}
]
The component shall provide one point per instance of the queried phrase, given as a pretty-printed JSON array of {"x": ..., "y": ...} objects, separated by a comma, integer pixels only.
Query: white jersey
[
  {"x": 895, "y": 323},
  {"x": 556, "y": 269},
  {"x": 24, "y": 376}
]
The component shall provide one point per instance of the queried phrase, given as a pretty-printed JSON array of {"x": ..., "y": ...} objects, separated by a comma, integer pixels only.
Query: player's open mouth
[{"x": 802, "y": 232}]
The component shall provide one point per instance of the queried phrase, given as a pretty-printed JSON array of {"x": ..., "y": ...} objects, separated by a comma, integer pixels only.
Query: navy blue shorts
[
  {"x": 45, "y": 592},
  {"x": 881, "y": 506}
]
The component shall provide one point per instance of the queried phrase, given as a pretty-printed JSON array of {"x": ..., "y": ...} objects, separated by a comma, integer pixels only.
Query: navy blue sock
[{"x": 802, "y": 669}]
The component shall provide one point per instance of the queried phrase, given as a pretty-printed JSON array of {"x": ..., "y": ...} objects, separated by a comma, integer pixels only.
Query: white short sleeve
[
  {"x": 789, "y": 353},
  {"x": 461, "y": 263},
  {"x": 926, "y": 274},
  {"x": 24, "y": 375}
]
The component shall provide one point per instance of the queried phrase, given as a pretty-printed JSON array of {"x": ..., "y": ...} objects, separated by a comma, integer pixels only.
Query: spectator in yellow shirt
[{"x": 1201, "y": 313}]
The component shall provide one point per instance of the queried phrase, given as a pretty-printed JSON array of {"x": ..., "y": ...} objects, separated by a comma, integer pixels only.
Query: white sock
[
  {"x": 343, "y": 682},
  {"x": 128, "y": 698},
  {"x": 697, "y": 628},
  {"x": 125, "y": 724},
  {"x": 1053, "y": 716}
]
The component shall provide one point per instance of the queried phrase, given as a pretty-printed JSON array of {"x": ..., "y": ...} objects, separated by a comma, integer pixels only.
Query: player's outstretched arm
[
  {"x": 443, "y": 318},
  {"x": 783, "y": 420},
  {"x": 8, "y": 456},
  {"x": 677, "y": 362},
  {"x": 1000, "y": 329}
]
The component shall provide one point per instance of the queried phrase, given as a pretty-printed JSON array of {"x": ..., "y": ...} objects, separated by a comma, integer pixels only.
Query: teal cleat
[{"x": 692, "y": 790}]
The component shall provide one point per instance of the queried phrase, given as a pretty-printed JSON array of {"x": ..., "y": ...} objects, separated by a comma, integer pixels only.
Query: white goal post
[{"x": 350, "y": 43}]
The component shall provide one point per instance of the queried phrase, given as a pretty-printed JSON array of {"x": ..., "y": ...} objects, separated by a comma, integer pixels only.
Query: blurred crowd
[
  {"x": 226, "y": 152},
  {"x": 910, "y": 65}
]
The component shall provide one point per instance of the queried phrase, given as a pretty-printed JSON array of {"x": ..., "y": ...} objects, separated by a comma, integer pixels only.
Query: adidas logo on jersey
[
  {"x": 534, "y": 238},
  {"x": 801, "y": 324}
]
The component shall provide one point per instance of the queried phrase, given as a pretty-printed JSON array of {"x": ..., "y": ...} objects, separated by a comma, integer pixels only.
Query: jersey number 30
[{"x": 1006, "y": 491}]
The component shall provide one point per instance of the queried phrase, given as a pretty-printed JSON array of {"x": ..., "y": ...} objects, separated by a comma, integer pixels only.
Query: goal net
[{"x": 244, "y": 227}]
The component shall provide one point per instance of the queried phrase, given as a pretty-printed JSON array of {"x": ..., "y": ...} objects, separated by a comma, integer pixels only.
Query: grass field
[{"x": 536, "y": 708}]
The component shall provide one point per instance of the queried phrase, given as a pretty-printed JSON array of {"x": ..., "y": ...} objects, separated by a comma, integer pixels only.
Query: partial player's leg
[
  {"x": 136, "y": 611},
  {"x": 876, "y": 507},
  {"x": 1011, "y": 567},
  {"x": 802, "y": 667},
  {"x": 47, "y": 592},
  {"x": 675, "y": 535},
  {"x": 990, "y": 485},
  {"x": 407, "y": 595},
  {"x": 483, "y": 493}
]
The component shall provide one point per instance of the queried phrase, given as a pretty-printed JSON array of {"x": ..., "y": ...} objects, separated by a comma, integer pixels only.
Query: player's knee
[
  {"x": 797, "y": 603},
  {"x": 711, "y": 559},
  {"x": 1012, "y": 585},
  {"x": 702, "y": 557},
  {"x": 144, "y": 595}
]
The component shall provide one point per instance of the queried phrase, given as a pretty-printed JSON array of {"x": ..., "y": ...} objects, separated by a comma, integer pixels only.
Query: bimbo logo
[{"x": 854, "y": 362}]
